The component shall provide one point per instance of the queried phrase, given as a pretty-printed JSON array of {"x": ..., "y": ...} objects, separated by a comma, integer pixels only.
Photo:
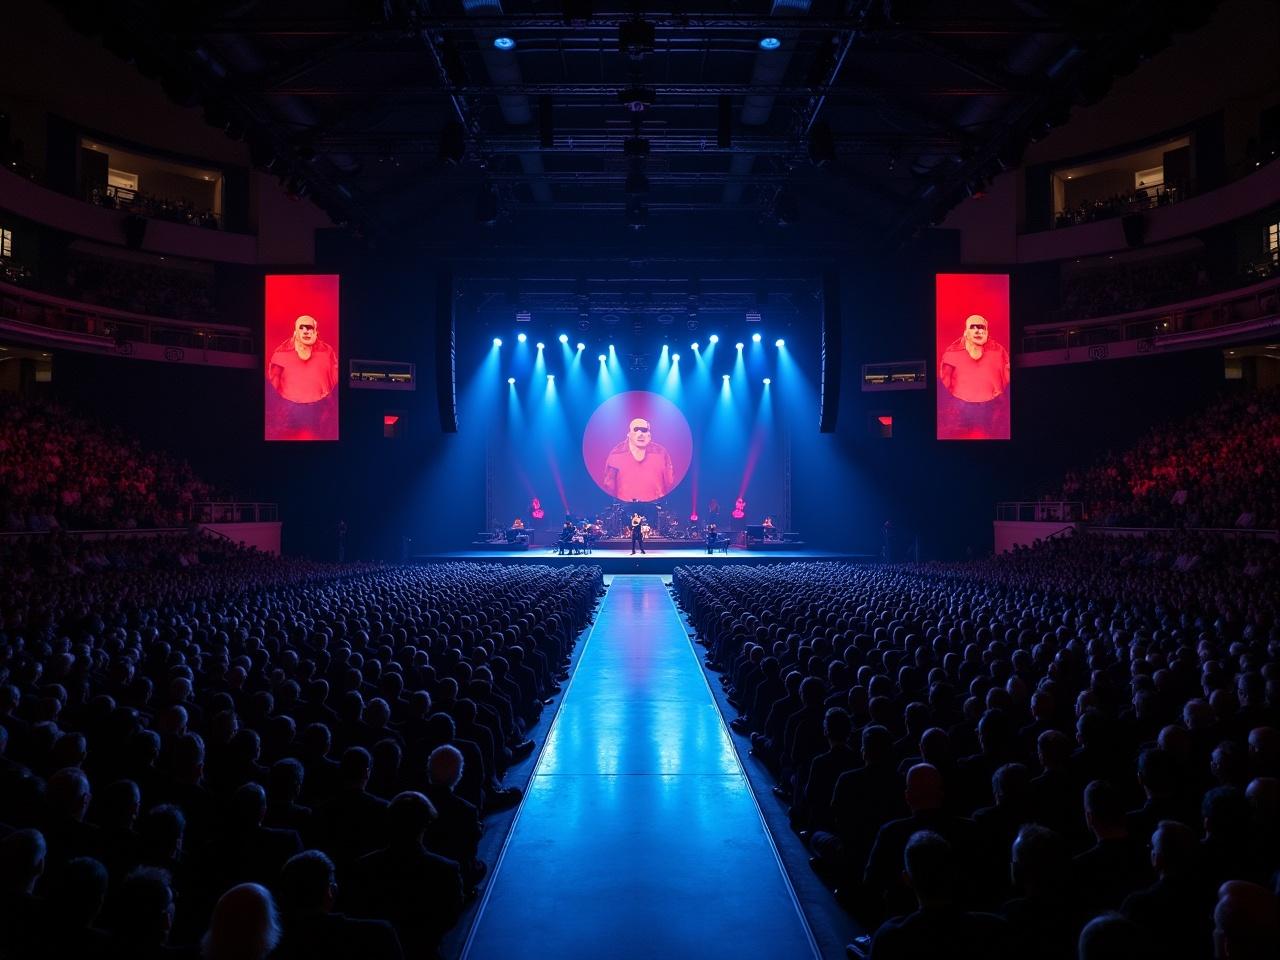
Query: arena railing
[
  {"x": 234, "y": 511},
  {"x": 1040, "y": 511},
  {"x": 1176, "y": 321},
  {"x": 111, "y": 326}
]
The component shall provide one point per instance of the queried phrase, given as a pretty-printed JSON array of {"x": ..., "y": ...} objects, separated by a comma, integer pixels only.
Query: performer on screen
[
  {"x": 637, "y": 533},
  {"x": 639, "y": 468},
  {"x": 304, "y": 369},
  {"x": 975, "y": 370}
]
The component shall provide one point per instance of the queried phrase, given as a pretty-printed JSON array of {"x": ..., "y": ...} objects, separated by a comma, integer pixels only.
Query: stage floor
[{"x": 652, "y": 561}]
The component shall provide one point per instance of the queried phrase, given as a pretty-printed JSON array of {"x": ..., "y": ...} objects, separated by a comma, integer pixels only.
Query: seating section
[
  {"x": 1020, "y": 730},
  {"x": 59, "y": 470},
  {"x": 144, "y": 288},
  {"x": 1216, "y": 469},
  {"x": 178, "y": 739}
]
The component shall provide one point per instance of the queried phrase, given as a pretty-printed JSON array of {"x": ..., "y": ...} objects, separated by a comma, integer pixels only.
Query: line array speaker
[
  {"x": 446, "y": 359},
  {"x": 832, "y": 341}
]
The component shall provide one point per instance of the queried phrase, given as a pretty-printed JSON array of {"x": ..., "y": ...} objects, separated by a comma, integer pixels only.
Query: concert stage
[{"x": 655, "y": 560}]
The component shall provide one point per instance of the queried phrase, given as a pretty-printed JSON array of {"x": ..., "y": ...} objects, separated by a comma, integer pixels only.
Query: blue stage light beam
[
  {"x": 755, "y": 338},
  {"x": 564, "y": 338},
  {"x": 497, "y": 341},
  {"x": 522, "y": 337}
]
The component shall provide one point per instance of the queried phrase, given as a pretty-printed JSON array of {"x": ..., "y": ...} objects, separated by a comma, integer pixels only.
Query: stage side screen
[
  {"x": 972, "y": 336},
  {"x": 301, "y": 346}
]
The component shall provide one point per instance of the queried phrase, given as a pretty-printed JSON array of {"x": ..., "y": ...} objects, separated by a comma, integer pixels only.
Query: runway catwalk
[{"x": 639, "y": 836}]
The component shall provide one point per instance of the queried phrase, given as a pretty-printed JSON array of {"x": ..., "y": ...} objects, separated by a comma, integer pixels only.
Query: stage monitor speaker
[
  {"x": 831, "y": 352},
  {"x": 1135, "y": 228},
  {"x": 446, "y": 359}
]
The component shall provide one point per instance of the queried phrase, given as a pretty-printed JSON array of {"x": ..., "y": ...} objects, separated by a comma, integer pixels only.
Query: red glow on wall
[{"x": 390, "y": 419}]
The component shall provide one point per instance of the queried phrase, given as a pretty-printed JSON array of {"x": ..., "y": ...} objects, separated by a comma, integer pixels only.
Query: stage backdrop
[
  {"x": 972, "y": 335},
  {"x": 598, "y": 448},
  {"x": 300, "y": 347}
]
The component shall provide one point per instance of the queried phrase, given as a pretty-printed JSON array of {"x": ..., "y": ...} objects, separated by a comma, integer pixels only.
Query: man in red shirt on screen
[
  {"x": 975, "y": 370},
  {"x": 304, "y": 369},
  {"x": 638, "y": 468}
]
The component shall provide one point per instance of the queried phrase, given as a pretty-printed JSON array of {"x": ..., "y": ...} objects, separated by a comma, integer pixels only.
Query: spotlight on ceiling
[
  {"x": 779, "y": 343},
  {"x": 694, "y": 345},
  {"x": 770, "y": 43},
  {"x": 725, "y": 378},
  {"x": 542, "y": 346},
  {"x": 551, "y": 377},
  {"x": 511, "y": 380},
  {"x": 714, "y": 338},
  {"x": 564, "y": 338},
  {"x": 755, "y": 338},
  {"x": 521, "y": 337},
  {"x": 497, "y": 341},
  {"x": 509, "y": 43},
  {"x": 581, "y": 346},
  {"x": 767, "y": 381},
  {"x": 739, "y": 345},
  {"x": 601, "y": 358},
  {"x": 675, "y": 358}
]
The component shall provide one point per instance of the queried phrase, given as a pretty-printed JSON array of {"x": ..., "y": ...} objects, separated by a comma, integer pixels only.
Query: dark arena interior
[{"x": 755, "y": 480}]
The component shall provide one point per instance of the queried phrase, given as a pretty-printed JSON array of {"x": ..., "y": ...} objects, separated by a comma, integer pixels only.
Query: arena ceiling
[{"x": 884, "y": 112}]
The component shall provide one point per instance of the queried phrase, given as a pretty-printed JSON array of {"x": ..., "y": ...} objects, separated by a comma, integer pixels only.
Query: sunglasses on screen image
[
  {"x": 639, "y": 429},
  {"x": 977, "y": 326},
  {"x": 306, "y": 326}
]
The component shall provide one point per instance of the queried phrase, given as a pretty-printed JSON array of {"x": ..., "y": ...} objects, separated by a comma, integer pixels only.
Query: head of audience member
[
  {"x": 244, "y": 925},
  {"x": 924, "y": 788},
  {"x": 1246, "y": 922}
]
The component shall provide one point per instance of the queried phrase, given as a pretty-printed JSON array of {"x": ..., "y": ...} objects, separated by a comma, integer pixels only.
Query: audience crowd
[
  {"x": 247, "y": 756},
  {"x": 1117, "y": 205},
  {"x": 1130, "y": 286},
  {"x": 1216, "y": 469},
  {"x": 62, "y": 471},
  {"x": 143, "y": 288},
  {"x": 1073, "y": 750},
  {"x": 178, "y": 210}
]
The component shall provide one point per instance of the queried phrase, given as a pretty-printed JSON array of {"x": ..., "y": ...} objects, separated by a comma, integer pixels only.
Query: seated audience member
[
  {"x": 144, "y": 914},
  {"x": 1042, "y": 918},
  {"x": 1174, "y": 912},
  {"x": 75, "y": 898},
  {"x": 313, "y": 930},
  {"x": 420, "y": 893},
  {"x": 1246, "y": 922},
  {"x": 455, "y": 832},
  {"x": 1111, "y": 937},
  {"x": 938, "y": 926},
  {"x": 22, "y": 863},
  {"x": 882, "y": 878},
  {"x": 1117, "y": 863},
  {"x": 244, "y": 925}
]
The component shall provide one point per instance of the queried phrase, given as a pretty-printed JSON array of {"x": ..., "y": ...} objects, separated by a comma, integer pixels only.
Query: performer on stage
[
  {"x": 637, "y": 533},
  {"x": 712, "y": 538}
]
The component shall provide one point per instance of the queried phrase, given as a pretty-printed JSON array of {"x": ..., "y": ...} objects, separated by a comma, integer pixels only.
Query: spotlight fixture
[
  {"x": 767, "y": 381},
  {"x": 675, "y": 358},
  {"x": 564, "y": 338},
  {"x": 509, "y": 43},
  {"x": 551, "y": 378},
  {"x": 637, "y": 99},
  {"x": 581, "y": 346},
  {"x": 739, "y": 345},
  {"x": 766, "y": 43},
  {"x": 755, "y": 338},
  {"x": 521, "y": 337},
  {"x": 497, "y": 341},
  {"x": 725, "y": 378},
  {"x": 779, "y": 343},
  {"x": 694, "y": 346},
  {"x": 714, "y": 338},
  {"x": 511, "y": 380},
  {"x": 601, "y": 358},
  {"x": 540, "y": 345}
]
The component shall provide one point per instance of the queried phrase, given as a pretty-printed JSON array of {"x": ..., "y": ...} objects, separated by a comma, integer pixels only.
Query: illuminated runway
[{"x": 639, "y": 836}]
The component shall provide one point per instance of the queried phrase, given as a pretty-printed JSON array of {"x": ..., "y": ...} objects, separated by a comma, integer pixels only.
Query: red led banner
[
  {"x": 301, "y": 357},
  {"x": 972, "y": 336}
]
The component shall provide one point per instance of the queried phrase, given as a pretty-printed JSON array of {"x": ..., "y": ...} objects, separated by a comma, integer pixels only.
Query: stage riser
[{"x": 613, "y": 562}]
